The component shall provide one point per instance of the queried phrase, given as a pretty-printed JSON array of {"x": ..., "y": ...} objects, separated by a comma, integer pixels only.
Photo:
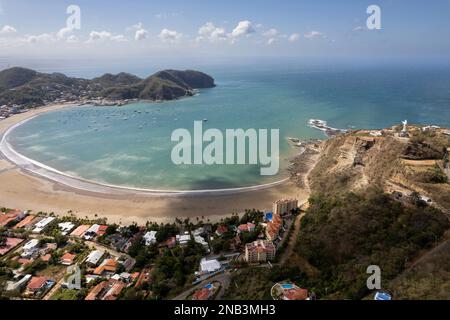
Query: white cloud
[
  {"x": 72, "y": 39},
  {"x": 359, "y": 28},
  {"x": 44, "y": 38},
  {"x": 314, "y": 34},
  {"x": 167, "y": 35},
  {"x": 103, "y": 36},
  {"x": 271, "y": 41},
  {"x": 141, "y": 34},
  {"x": 242, "y": 29},
  {"x": 64, "y": 33},
  {"x": 294, "y": 37},
  {"x": 8, "y": 30},
  {"x": 212, "y": 33},
  {"x": 271, "y": 33}
]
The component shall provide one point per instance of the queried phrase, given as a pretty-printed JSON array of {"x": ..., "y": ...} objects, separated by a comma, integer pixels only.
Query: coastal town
[{"x": 50, "y": 257}]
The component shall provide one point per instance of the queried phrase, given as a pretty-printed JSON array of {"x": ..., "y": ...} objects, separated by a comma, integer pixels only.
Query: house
[
  {"x": 68, "y": 259},
  {"x": 66, "y": 227},
  {"x": 37, "y": 284},
  {"x": 10, "y": 244},
  {"x": 30, "y": 248},
  {"x": 80, "y": 231},
  {"x": 209, "y": 266},
  {"x": 183, "y": 239},
  {"x": 19, "y": 285},
  {"x": 200, "y": 240},
  {"x": 26, "y": 222},
  {"x": 150, "y": 238},
  {"x": 221, "y": 230},
  {"x": 259, "y": 251},
  {"x": 102, "y": 230},
  {"x": 13, "y": 215},
  {"x": 127, "y": 262},
  {"x": 248, "y": 227},
  {"x": 41, "y": 225},
  {"x": 91, "y": 232},
  {"x": 94, "y": 258},
  {"x": 109, "y": 266},
  {"x": 106, "y": 290}
]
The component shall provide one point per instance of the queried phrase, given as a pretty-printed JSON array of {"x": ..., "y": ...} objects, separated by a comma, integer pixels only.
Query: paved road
[{"x": 223, "y": 278}]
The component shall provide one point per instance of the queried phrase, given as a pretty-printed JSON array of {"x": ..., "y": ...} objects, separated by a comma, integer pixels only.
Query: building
[
  {"x": 285, "y": 206},
  {"x": 273, "y": 227},
  {"x": 80, "y": 231},
  {"x": 259, "y": 251},
  {"x": 209, "y": 266},
  {"x": 106, "y": 290},
  {"x": 37, "y": 284},
  {"x": 13, "y": 215},
  {"x": 288, "y": 291},
  {"x": 150, "y": 238},
  {"x": 30, "y": 248},
  {"x": 200, "y": 240},
  {"x": 25, "y": 222},
  {"x": 94, "y": 258},
  {"x": 248, "y": 227},
  {"x": 10, "y": 244},
  {"x": 183, "y": 239},
  {"x": 108, "y": 267},
  {"x": 19, "y": 285},
  {"x": 41, "y": 225},
  {"x": 221, "y": 230},
  {"x": 66, "y": 227},
  {"x": 68, "y": 259}
]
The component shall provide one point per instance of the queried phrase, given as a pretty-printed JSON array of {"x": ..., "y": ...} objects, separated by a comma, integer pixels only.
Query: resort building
[
  {"x": 285, "y": 206},
  {"x": 259, "y": 251},
  {"x": 183, "y": 239},
  {"x": 273, "y": 227}
]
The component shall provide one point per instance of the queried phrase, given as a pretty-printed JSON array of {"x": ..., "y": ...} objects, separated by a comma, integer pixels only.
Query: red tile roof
[{"x": 36, "y": 283}]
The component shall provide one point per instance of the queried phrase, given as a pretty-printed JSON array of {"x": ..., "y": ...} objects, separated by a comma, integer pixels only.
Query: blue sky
[{"x": 232, "y": 28}]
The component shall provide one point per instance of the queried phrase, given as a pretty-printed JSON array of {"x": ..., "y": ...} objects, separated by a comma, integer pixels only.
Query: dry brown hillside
[{"x": 356, "y": 160}]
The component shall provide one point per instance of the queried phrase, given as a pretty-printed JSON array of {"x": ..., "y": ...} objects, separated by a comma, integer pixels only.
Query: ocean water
[{"x": 131, "y": 145}]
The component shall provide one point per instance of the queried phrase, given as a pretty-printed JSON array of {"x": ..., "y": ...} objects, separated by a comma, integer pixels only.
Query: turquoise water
[{"x": 97, "y": 143}]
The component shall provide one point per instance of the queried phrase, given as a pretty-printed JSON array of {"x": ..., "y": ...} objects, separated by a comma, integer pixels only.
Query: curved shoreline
[{"x": 77, "y": 183}]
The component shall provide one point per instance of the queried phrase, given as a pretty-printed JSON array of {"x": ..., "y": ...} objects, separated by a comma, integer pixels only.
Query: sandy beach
[{"x": 25, "y": 190}]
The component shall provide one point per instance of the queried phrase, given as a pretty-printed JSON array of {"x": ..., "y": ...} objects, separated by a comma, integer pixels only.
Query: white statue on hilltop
[{"x": 405, "y": 123}]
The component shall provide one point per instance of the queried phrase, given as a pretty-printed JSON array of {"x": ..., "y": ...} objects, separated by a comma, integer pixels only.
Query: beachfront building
[
  {"x": 273, "y": 227},
  {"x": 259, "y": 251},
  {"x": 285, "y": 206},
  {"x": 66, "y": 227},
  {"x": 41, "y": 225},
  {"x": 183, "y": 239}
]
